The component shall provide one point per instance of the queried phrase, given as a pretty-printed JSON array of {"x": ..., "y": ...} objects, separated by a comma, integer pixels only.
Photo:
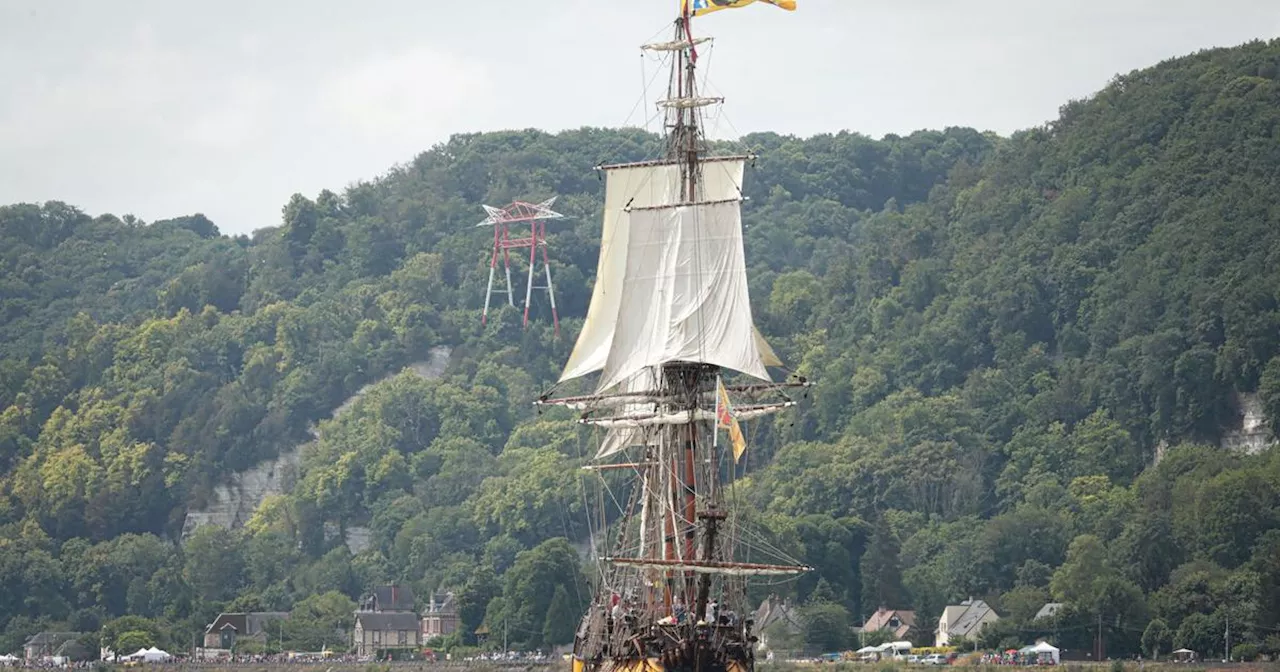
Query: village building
[
  {"x": 386, "y": 620},
  {"x": 46, "y": 646},
  {"x": 1049, "y": 610},
  {"x": 899, "y": 622},
  {"x": 381, "y": 631},
  {"x": 777, "y": 620},
  {"x": 965, "y": 620},
  {"x": 229, "y": 628},
  {"x": 389, "y": 598},
  {"x": 441, "y": 617}
]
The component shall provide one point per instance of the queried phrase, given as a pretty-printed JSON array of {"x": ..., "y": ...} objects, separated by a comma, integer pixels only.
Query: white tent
[
  {"x": 151, "y": 655},
  {"x": 867, "y": 649},
  {"x": 7, "y": 659},
  {"x": 1045, "y": 652}
]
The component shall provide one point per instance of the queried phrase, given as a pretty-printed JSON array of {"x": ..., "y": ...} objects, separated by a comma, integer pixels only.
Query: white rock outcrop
[
  {"x": 1252, "y": 435},
  {"x": 234, "y": 502}
]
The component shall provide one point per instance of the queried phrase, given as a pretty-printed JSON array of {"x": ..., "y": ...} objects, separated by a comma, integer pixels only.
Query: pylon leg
[
  {"x": 511, "y": 299},
  {"x": 528, "y": 288},
  {"x": 511, "y": 289},
  {"x": 551, "y": 292},
  {"x": 488, "y": 293}
]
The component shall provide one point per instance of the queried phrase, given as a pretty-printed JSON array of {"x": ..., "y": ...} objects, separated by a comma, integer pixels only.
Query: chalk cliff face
[
  {"x": 234, "y": 502},
  {"x": 1252, "y": 435}
]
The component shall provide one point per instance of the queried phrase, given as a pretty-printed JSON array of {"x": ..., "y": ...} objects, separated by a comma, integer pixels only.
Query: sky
[{"x": 159, "y": 109}]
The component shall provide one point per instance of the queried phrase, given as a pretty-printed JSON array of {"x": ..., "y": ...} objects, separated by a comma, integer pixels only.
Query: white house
[{"x": 963, "y": 620}]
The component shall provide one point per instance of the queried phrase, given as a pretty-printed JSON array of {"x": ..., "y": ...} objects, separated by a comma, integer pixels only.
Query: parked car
[
  {"x": 935, "y": 659},
  {"x": 913, "y": 658}
]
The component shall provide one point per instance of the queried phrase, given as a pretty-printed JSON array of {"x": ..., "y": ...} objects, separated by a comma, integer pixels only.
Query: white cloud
[
  {"x": 234, "y": 115},
  {"x": 406, "y": 93},
  {"x": 161, "y": 108}
]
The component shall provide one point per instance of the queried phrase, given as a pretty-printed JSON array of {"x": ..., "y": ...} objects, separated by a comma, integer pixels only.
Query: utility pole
[
  {"x": 1098, "y": 644},
  {"x": 1226, "y": 638},
  {"x": 504, "y": 636}
]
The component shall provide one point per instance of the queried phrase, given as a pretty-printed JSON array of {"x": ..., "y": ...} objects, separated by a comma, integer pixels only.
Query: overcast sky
[{"x": 161, "y": 108}]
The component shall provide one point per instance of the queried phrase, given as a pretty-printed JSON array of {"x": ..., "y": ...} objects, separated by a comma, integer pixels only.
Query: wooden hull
[{"x": 654, "y": 665}]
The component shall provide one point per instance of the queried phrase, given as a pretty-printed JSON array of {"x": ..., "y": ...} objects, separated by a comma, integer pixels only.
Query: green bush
[{"x": 1244, "y": 652}]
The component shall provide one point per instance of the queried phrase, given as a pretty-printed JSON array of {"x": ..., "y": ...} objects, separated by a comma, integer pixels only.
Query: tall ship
[{"x": 669, "y": 319}]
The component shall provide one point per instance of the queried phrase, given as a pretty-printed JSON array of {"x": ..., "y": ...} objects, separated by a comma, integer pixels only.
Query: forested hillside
[{"x": 1005, "y": 334}]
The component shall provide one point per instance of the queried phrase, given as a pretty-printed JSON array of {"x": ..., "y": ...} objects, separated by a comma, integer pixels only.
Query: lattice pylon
[{"x": 501, "y": 219}]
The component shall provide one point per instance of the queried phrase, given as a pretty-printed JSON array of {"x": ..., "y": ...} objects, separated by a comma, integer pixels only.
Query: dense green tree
[
  {"x": 826, "y": 626},
  {"x": 530, "y": 586},
  {"x": 214, "y": 563},
  {"x": 561, "y": 620},
  {"x": 320, "y": 620},
  {"x": 1201, "y": 633},
  {"x": 121, "y": 634},
  {"x": 1156, "y": 638},
  {"x": 133, "y": 640},
  {"x": 881, "y": 578},
  {"x": 1088, "y": 581}
]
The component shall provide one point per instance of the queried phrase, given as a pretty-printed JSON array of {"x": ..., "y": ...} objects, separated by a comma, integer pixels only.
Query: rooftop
[{"x": 387, "y": 620}]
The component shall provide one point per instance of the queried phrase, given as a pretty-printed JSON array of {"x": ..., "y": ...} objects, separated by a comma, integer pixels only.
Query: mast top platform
[{"x": 676, "y": 45}]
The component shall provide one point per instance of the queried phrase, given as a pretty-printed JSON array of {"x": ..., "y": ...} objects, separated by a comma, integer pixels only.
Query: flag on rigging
[
  {"x": 701, "y": 7},
  {"x": 726, "y": 420}
]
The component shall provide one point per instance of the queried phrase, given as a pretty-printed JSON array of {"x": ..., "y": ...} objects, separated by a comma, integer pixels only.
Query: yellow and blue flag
[
  {"x": 725, "y": 419},
  {"x": 701, "y": 7}
]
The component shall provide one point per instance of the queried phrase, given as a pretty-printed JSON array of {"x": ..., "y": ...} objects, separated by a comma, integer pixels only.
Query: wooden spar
[
  {"x": 710, "y": 565},
  {"x": 619, "y": 465},
  {"x": 655, "y": 395}
]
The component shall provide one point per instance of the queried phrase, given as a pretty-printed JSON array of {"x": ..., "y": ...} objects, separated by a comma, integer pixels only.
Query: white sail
[
  {"x": 685, "y": 293},
  {"x": 631, "y": 191},
  {"x": 621, "y": 437}
]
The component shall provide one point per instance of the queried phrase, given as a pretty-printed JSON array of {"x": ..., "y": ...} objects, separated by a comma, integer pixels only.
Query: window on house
[{"x": 894, "y": 622}]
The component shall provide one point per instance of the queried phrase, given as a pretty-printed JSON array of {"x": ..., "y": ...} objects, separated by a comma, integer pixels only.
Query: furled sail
[
  {"x": 710, "y": 567},
  {"x": 679, "y": 270},
  {"x": 684, "y": 417}
]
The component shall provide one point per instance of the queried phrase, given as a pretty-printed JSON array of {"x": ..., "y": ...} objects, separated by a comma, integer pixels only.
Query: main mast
[{"x": 685, "y": 382}]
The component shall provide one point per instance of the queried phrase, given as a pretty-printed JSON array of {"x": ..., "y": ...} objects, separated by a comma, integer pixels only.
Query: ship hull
[{"x": 657, "y": 665}]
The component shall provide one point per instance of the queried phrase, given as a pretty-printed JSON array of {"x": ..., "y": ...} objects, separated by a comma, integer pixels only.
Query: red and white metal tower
[{"x": 501, "y": 219}]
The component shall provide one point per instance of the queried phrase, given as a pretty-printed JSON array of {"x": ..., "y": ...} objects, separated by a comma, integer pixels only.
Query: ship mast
[
  {"x": 685, "y": 381},
  {"x": 669, "y": 309},
  {"x": 684, "y": 139}
]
